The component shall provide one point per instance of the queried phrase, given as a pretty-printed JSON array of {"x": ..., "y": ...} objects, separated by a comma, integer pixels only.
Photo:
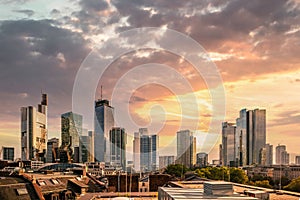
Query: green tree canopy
[
  {"x": 176, "y": 170},
  {"x": 238, "y": 176},
  {"x": 294, "y": 185}
]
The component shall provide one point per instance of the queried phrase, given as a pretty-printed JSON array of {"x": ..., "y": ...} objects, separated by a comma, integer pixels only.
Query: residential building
[
  {"x": 8, "y": 153},
  {"x": 34, "y": 131},
  {"x": 164, "y": 161},
  {"x": 118, "y": 141},
  {"x": 186, "y": 148},
  {"x": 202, "y": 159},
  {"x": 71, "y": 131},
  {"x": 103, "y": 123},
  {"x": 228, "y": 144},
  {"x": 52, "y": 150}
]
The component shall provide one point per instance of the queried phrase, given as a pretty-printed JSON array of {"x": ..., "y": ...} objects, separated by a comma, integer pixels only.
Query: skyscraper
[
  {"x": 137, "y": 148},
  {"x": 118, "y": 141},
  {"x": 202, "y": 159},
  {"x": 103, "y": 123},
  {"x": 256, "y": 134},
  {"x": 52, "y": 150},
  {"x": 228, "y": 144},
  {"x": 85, "y": 149},
  {"x": 241, "y": 138},
  {"x": 8, "y": 153},
  {"x": 34, "y": 131},
  {"x": 71, "y": 131},
  {"x": 148, "y": 152},
  {"x": 282, "y": 157},
  {"x": 186, "y": 148}
]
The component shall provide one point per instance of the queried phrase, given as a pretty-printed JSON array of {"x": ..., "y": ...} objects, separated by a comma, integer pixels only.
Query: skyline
[{"x": 254, "y": 45}]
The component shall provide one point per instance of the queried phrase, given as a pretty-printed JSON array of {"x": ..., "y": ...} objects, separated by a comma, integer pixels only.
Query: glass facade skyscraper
[
  {"x": 103, "y": 123},
  {"x": 228, "y": 144},
  {"x": 118, "y": 141}
]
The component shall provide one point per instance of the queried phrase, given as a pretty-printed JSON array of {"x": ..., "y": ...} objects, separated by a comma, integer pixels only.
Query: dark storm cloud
[
  {"x": 94, "y": 5},
  {"x": 29, "y": 13},
  {"x": 37, "y": 55}
]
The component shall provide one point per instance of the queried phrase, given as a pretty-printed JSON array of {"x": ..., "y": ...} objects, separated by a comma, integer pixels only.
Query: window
[
  {"x": 55, "y": 181},
  {"x": 42, "y": 183}
]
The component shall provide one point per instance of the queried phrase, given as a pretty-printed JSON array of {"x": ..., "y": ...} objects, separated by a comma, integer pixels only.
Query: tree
[
  {"x": 294, "y": 185},
  {"x": 176, "y": 170},
  {"x": 263, "y": 183},
  {"x": 238, "y": 176}
]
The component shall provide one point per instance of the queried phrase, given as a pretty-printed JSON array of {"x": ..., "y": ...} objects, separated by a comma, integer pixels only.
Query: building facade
[
  {"x": 8, "y": 153},
  {"x": 186, "y": 148},
  {"x": 34, "y": 131},
  {"x": 118, "y": 141},
  {"x": 297, "y": 160},
  {"x": 103, "y": 123},
  {"x": 164, "y": 161},
  {"x": 282, "y": 156},
  {"x": 137, "y": 148},
  {"x": 52, "y": 150},
  {"x": 241, "y": 138},
  {"x": 71, "y": 131},
  {"x": 202, "y": 159},
  {"x": 228, "y": 144},
  {"x": 256, "y": 134},
  {"x": 148, "y": 152}
]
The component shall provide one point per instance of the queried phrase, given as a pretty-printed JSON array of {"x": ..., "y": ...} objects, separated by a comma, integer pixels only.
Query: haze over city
[{"x": 254, "y": 45}]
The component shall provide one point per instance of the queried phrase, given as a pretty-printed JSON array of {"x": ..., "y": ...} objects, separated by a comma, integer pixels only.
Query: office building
[
  {"x": 85, "y": 149},
  {"x": 103, "y": 123},
  {"x": 256, "y": 134},
  {"x": 269, "y": 154},
  {"x": 148, "y": 152},
  {"x": 137, "y": 148},
  {"x": 71, "y": 130},
  {"x": 118, "y": 141},
  {"x": 8, "y": 153},
  {"x": 282, "y": 157},
  {"x": 91, "y": 151},
  {"x": 52, "y": 150},
  {"x": 220, "y": 154},
  {"x": 228, "y": 144},
  {"x": 202, "y": 159},
  {"x": 164, "y": 161},
  {"x": 34, "y": 131},
  {"x": 186, "y": 148},
  {"x": 241, "y": 138}
]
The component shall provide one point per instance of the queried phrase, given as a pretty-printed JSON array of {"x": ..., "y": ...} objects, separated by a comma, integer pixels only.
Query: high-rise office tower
[
  {"x": 241, "y": 138},
  {"x": 34, "y": 131},
  {"x": 52, "y": 150},
  {"x": 202, "y": 159},
  {"x": 137, "y": 148},
  {"x": 186, "y": 148},
  {"x": 103, "y": 123},
  {"x": 228, "y": 144},
  {"x": 220, "y": 154},
  {"x": 148, "y": 152},
  {"x": 256, "y": 134},
  {"x": 8, "y": 153},
  {"x": 282, "y": 156},
  {"x": 71, "y": 131},
  {"x": 164, "y": 161},
  {"x": 85, "y": 149},
  {"x": 92, "y": 148},
  {"x": 118, "y": 141}
]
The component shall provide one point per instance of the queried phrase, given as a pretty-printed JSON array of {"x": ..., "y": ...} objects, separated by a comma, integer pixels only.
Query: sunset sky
[{"x": 255, "y": 46}]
